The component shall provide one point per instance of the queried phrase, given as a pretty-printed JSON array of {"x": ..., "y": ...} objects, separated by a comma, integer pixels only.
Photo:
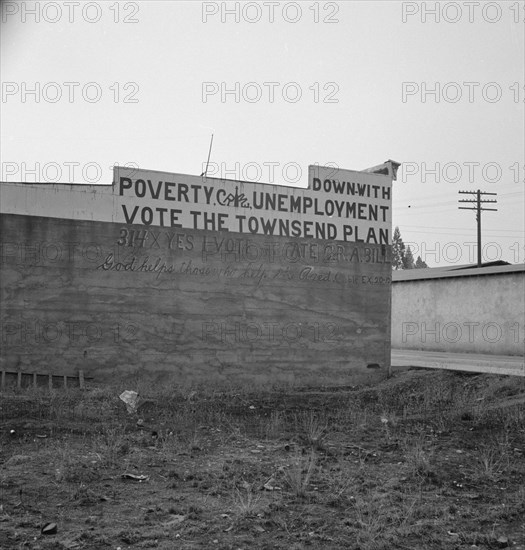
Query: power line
[
  {"x": 433, "y": 198},
  {"x": 467, "y": 235},
  {"x": 463, "y": 228},
  {"x": 433, "y": 204},
  {"x": 478, "y": 208}
]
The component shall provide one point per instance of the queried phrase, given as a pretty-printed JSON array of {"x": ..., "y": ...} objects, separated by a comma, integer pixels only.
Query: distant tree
[
  {"x": 402, "y": 257},
  {"x": 408, "y": 259},
  {"x": 398, "y": 250},
  {"x": 420, "y": 264}
]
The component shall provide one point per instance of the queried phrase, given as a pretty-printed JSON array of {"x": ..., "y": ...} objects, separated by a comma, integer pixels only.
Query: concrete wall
[
  {"x": 461, "y": 312},
  {"x": 203, "y": 306}
]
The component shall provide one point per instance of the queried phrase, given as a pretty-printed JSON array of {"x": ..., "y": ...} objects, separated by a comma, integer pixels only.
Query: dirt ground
[{"x": 425, "y": 460}]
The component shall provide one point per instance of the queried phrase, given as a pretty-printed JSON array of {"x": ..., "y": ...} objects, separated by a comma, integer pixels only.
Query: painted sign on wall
[
  {"x": 339, "y": 204},
  {"x": 202, "y": 279}
]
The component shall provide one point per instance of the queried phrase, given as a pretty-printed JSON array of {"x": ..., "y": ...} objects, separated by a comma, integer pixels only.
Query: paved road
[{"x": 494, "y": 364}]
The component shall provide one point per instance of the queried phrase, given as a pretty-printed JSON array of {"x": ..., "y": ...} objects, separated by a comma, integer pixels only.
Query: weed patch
[{"x": 430, "y": 460}]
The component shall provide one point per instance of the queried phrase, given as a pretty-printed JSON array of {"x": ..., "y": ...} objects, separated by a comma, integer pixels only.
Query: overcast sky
[{"x": 281, "y": 85}]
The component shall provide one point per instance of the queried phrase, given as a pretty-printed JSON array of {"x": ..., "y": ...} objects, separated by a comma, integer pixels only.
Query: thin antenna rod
[{"x": 209, "y": 155}]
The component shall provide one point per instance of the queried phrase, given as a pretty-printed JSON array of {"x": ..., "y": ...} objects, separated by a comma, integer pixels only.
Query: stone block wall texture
[{"x": 196, "y": 306}]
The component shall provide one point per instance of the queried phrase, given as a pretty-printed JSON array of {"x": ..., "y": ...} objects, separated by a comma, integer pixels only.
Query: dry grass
[
  {"x": 400, "y": 465},
  {"x": 299, "y": 472}
]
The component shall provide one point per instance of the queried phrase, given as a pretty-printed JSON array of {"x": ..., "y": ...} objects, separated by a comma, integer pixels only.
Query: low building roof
[{"x": 490, "y": 268}]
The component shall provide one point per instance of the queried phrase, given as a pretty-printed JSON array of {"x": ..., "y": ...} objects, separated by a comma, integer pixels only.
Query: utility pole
[{"x": 478, "y": 210}]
